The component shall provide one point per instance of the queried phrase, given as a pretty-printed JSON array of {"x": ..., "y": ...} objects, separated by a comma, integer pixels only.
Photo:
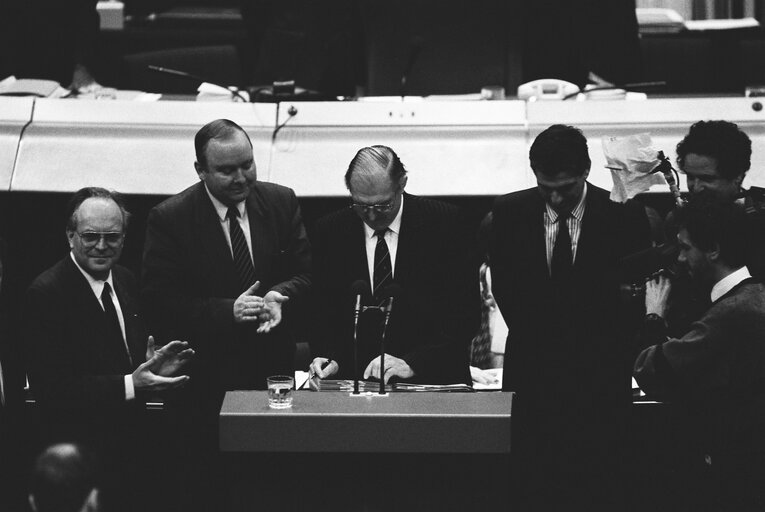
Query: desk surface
[{"x": 398, "y": 423}]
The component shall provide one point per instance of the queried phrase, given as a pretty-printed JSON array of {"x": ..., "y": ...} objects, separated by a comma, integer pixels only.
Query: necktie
[
  {"x": 562, "y": 259},
  {"x": 117, "y": 353},
  {"x": 242, "y": 260},
  {"x": 383, "y": 269}
]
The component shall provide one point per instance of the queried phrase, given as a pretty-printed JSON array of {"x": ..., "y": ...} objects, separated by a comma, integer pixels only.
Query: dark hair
[
  {"x": 218, "y": 129},
  {"x": 711, "y": 225},
  {"x": 721, "y": 140},
  {"x": 380, "y": 156},
  {"x": 62, "y": 478},
  {"x": 560, "y": 148},
  {"x": 81, "y": 195}
]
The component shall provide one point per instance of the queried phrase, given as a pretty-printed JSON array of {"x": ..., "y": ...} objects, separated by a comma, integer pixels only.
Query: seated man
[
  {"x": 88, "y": 362},
  {"x": 64, "y": 479},
  {"x": 388, "y": 236},
  {"x": 715, "y": 371}
]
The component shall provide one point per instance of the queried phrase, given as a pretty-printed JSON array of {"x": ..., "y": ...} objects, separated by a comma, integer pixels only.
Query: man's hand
[
  {"x": 486, "y": 377},
  {"x": 271, "y": 314},
  {"x": 248, "y": 307},
  {"x": 656, "y": 295},
  {"x": 168, "y": 360},
  {"x": 394, "y": 367},
  {"x": 316, "y": 368},
  {"x": 145, "y": 377}
]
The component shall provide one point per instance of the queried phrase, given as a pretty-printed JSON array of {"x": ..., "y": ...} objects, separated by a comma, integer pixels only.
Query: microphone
[
  {"x": 391, "y": 292},
  {"x": 358, "y": 288},
  {"x": 182, "y": 74},
  {"x": 670, "y": 175},
  {"x": 414, "y": 53}
]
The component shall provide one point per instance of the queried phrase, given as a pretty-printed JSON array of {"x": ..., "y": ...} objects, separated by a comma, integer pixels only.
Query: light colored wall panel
[
  {"x": 666, "y": 120},
  {"x": 136, "y": 148},
  {"x": 449, "y": 148},
  {"x": 15, "y": 114}
]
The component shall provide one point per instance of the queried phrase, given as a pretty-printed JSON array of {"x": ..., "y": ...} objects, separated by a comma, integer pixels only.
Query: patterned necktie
[
  {"x": 383, "y": 270},
  {"x": 117, "y": 350},
  {"x": 242, "y": 259},
  {"x": 562, "y": 259}
]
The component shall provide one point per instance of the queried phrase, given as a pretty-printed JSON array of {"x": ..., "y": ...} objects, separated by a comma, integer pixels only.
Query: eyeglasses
[
  {"x": 111, "y": 238},
  {"x": 377, "y": 208}
]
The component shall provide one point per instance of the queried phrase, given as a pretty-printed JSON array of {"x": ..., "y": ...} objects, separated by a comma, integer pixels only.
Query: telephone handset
[{"x": 546, "y": 89}]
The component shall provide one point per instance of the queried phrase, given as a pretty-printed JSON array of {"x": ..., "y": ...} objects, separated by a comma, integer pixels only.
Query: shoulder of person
[
  {"x": 519, "y": 199},
  {"x": 269, "y": 190},
  {"x": 180, "y": 200},
  {"x": 52, "y": 278},
  {"x": 427, "y": 205},
  {"x": 328, "y": 223}
]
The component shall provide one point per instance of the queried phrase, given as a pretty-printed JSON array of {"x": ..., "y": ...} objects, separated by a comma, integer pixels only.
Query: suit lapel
[
  {"x": 356, "y": 249},
  {"x": 536, "y": 235},
  {"x": 264, "y": 240},
  {"x": 133, "y": 334},
  {"x": 411, "y": 230},
  {"x": 86, "y": 301},
  {"x": 213, "y": 243},
  {"x": 590, "y": 232}
]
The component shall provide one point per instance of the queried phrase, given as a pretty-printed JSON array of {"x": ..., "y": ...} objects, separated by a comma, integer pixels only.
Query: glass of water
[{"x": 280, "y": 391}]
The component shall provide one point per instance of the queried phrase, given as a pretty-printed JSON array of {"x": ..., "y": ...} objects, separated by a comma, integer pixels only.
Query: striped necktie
[
  {"x": 242, "y": 259},
  {"x": 383, "y": 269}
]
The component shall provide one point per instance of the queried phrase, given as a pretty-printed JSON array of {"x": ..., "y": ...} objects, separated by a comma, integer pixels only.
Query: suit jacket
[
  {"x": 436, "y": 316},
  {"x": 68, "y": 362},
  {"x": 190, "y": 285},
  {"x": 573, "y": 348}
]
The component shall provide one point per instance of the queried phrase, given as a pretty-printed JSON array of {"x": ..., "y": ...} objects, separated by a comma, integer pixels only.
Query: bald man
[{"x": 388, "y": 236}]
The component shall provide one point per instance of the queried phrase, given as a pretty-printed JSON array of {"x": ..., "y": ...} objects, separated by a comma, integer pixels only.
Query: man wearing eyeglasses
[
  {"x": 88, "y": 362},
  {"x": 388, "y": 236}
]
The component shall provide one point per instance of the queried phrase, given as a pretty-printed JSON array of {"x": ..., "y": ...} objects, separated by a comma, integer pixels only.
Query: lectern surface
[{"x": 397, "y": 423}]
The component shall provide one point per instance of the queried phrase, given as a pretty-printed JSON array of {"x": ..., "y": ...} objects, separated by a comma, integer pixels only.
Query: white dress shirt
[
  {"x": 729, "y": 282},
  {"x": 391, "y": 238},
  {"x": 574, "y": 223},
  {"x": 244, "y": 221},
  {"x": 98, "y": 288}
]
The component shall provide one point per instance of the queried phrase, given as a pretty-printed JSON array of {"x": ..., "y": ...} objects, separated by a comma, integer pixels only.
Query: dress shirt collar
[
  {"x": 96, "y": 285},
  {"x": 577, "y": 212},
  {"x": 395, "y": 226},
  {"x": 222, "y": 210},
  {"x": 729, "y": 282}
]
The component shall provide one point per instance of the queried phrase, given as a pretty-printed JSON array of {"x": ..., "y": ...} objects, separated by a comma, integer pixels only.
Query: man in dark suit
[
  {"x": 87, "y": 348},
  {"x": 388, "y": 236},
  {"x": 220, "y": 260},
  {"x": 566, "y": 356}
]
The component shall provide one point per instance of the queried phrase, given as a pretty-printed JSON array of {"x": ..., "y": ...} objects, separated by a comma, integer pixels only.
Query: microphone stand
[
  {"x": 382, "y": 345},
  {"x": 235, "y": 93},
  {"x": 356, "y": 314}
]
